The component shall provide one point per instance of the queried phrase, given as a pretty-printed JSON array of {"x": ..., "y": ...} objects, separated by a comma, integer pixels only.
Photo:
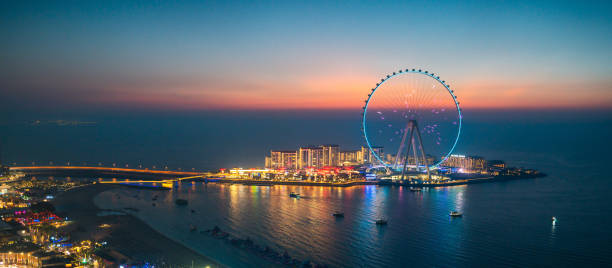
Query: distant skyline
[{"x": 198, "y": 55}]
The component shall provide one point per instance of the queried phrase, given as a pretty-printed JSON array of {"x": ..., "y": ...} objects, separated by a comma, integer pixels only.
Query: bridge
[
  {"x": 107, "y": 172},
  {"x": 165, "y": 177}
]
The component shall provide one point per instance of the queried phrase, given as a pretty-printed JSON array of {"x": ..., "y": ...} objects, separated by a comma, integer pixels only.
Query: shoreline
[
  {"x": 466, "y": 181},
  {"x": 127, "y": 235},
  {"x": 382, "y": 183}
]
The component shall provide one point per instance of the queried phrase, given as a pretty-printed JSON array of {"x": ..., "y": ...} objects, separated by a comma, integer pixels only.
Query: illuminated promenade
[{"x": 101, "y": 171}]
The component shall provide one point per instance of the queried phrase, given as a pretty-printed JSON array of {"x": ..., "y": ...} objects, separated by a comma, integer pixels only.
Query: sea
[{"x": 504, "y": 223}]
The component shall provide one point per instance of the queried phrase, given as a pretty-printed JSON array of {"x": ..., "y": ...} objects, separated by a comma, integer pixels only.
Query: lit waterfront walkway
[{"x": 29, "y": 169}]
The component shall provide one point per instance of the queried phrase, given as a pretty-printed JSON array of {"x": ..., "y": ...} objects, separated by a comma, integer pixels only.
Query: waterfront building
[
  {"x": 310, "y": 157},
  {"x": 330, "y": 155},
  {"x": 467, "y": 163},
  {"x": 368, "y": 155},
  {"x": 268, "y": 162},
  {"x": 351, "y": 158},
  {"x": 283, "y": 159}
]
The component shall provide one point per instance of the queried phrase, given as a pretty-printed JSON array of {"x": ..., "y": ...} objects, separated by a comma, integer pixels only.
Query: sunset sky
[{"x": 316, "y": 55}]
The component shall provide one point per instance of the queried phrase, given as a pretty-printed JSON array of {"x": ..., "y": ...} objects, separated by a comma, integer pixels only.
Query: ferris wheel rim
[{"x": 417, "y": 71}]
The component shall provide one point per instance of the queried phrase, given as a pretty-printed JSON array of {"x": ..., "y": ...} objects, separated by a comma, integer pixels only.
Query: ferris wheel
[{"x": 415, "y": 117}]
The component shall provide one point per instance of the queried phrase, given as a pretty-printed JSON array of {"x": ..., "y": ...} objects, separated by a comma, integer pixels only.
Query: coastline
[
  {"x": 382, "y": 182},
  {"x": 128, "y": 235},
  {"x": 466, "y": 181}
]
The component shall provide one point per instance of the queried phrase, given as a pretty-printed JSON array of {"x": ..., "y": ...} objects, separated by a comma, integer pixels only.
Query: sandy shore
[{"x": 127, "y": 234}]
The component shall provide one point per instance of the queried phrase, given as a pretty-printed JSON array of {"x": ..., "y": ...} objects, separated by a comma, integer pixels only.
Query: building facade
[
  {"x": 321, "y": 156},
  {"x": 368, "y": 155},
  {"x": 331, "y": 155},
  {"x": 351, "y": 158},
  {"x": 310, "y": 157},
  {"x": 468, "y": 163},
  {"x": 283, "y": 159}
]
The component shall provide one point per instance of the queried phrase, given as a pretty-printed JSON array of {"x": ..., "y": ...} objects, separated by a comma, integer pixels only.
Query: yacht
[
  {"x": 338, "y": 214},
  {"x": 296, "y": 195},
  {"x": 456, "y": 214},
  {"x": 381, "y": 222}
]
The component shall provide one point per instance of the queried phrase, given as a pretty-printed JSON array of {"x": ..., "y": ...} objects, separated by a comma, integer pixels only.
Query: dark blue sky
[{"x": 195, "y": 55}]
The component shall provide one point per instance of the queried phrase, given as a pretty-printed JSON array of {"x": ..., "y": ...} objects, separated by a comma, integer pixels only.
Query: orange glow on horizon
[
  {"x": 328, "y": 90},
  {"x": 351, "y": 92}
]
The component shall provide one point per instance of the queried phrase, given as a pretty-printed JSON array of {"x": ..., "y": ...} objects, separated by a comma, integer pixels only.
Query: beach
[{"x": 127, "y": 234}]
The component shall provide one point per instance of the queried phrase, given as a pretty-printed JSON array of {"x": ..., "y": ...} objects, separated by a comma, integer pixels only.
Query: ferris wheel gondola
[{"x": 407, "y": 105}]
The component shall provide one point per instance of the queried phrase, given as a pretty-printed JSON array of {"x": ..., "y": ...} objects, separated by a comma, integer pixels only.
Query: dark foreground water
[{"x": 504, "y": 223}]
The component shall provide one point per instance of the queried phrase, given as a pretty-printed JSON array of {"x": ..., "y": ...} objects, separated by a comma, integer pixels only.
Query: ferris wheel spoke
[{"x": 411, "y": 96}]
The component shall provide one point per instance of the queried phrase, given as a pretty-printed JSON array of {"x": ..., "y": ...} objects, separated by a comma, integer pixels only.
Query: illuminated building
[
  {"x": 268, "y": 162},
  {"x": 283, "y": 159},
  {"x": 19, "y": 254},
  {"x": 350, "y": 158},
  {"x": 310, "y": 157},
  {"x": 330, "y": 155},
  {"x": 468, "y": 163},
  {"x": 368, "y": 156}
]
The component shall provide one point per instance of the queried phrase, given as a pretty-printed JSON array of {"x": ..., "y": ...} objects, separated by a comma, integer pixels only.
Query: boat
[
  {"x": 192, "y": 228},
  {"x": 296, "y": 195},
  {"x": 456, "y": 214},
  {"x": 381, "y": 222},
  {"x": 181, "y": 202},
  {"x": 554, "y": 220},
  {"x": 416, "y": 189},
  {"x": 338, "y": 214}
]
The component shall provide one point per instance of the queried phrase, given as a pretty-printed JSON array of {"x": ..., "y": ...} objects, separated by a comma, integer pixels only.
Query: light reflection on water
[{"x": 496, "y": 227}]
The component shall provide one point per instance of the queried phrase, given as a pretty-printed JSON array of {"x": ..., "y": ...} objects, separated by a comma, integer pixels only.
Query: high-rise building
[
  {"x": 327, "y": 155},
  {"x": 350, "y": 158},
  {"x": 310, "y": 157},
  {"x": 268, "y": 162},
  {"x": 283, "y": 159},
  {"x": 368, "y": 156},
  {"x": 330, "y": 155}
]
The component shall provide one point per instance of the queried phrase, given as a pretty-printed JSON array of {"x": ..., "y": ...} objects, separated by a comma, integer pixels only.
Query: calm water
[{"x": 504, "y": 224}]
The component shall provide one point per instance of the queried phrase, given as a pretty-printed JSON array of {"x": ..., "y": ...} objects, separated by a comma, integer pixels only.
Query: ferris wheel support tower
[{"x": 412, "y": 127}]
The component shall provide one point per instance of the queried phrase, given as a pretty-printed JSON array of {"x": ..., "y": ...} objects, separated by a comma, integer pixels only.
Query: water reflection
[{"x": 420, "y": 231}]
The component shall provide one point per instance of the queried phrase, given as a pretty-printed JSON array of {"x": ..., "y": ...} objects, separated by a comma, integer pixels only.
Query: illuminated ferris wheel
[{"x": 415, "y": 117}]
